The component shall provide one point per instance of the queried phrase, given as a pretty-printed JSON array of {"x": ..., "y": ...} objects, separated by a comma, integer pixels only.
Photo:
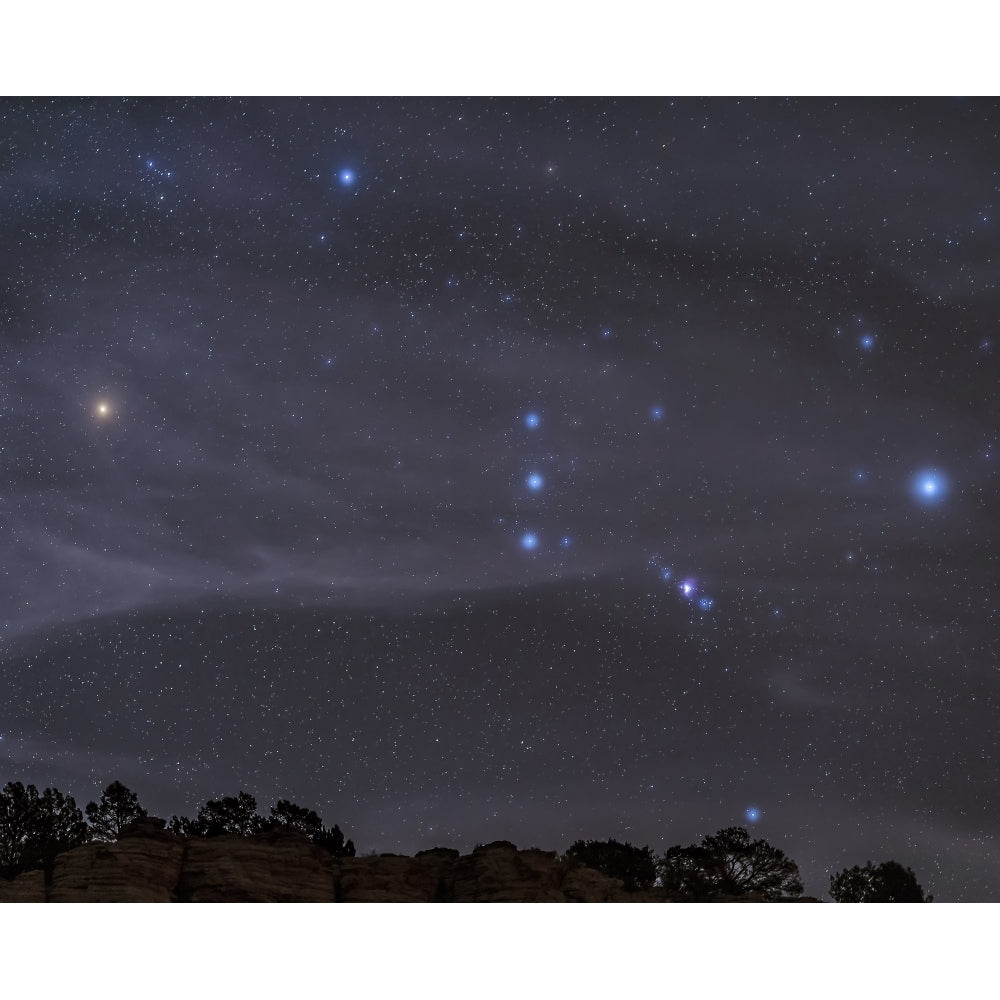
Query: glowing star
[
  {"x": 566, "y": 541},
  {"x": 867, "y": 341},
  {"x": 656, "y": 413},
  {"x": 103, "y": 409},
  {"x": 532, "y": 420},
  {"x": 705, "y": 603},
  {"x": 930, "y": 486},
  {"x": 535, "y": 482},
  {"x": 752, "y": 814},
  {"x": 529, "y": 541},
  {"x": 346, "y": 177},
  {"x": 688, "y": 587}
]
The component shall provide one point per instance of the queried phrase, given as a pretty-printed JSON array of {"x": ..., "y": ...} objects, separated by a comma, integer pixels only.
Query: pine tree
[{"x": 117, "y": 808}]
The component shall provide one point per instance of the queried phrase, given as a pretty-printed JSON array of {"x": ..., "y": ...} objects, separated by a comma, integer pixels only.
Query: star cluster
[{"x": 540, "y": 470}]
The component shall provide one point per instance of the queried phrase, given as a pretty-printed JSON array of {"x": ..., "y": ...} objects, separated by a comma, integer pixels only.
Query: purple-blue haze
[{"x": 525, "y": 469}]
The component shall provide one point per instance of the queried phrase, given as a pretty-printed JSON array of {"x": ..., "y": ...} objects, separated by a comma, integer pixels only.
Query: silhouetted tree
[
  {"x": 118, "y": 807},
  {"x": 61, "y": 827},
  {"x": 729, "y": 863},
  {"x": 239, "y": 815},
  {"x": 18, "y": 808},
  {"x": 333, "y": 840},
  {"x": 35, "y": 828},
  {"x": 687, "y": 873},
  {"x": 635, "y": 866},
  {"x": 290, "y": 816},
  {"x": 888, "y": 882},
  {"x": 230, "y": 814}
]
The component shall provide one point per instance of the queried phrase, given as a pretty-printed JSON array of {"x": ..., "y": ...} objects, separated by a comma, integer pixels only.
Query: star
[
  {"x": 532, "y": 420},
  {"x": 346, "y": 177},
  {"x": 752, "y": 814},
  {"x": 529, "y": 541},
  {"x": 103, "y": 409},
  {"x": 930, "y": 486},
  {"x": 656, "y": 413},
  {"x": 535, "y": 482},
  {"x": 867, "y": 341}
]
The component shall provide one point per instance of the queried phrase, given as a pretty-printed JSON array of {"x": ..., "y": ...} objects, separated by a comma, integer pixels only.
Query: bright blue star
[
  {"x": 346, "y": 177},
  {"x": 532, "y": 420},
  {"x": 529, "y": 541},
  {"x": 705, "y": 603},
  {"x": 566, "y": 541},
  {"x": 656, "y": 413},
  {"x": 535, "y": 482},
  {"x": 867, "y": 341},
  {"x": 930, "y": 486},
  {"x": 688, "y": 587},
  {"x": 752, "y": 814}
]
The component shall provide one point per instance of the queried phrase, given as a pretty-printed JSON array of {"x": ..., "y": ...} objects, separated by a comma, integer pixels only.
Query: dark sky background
[{"x": 526, "y": 469}]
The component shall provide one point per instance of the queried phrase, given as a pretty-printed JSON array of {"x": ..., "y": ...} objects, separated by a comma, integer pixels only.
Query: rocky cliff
[{"x": 150, "y": 865}]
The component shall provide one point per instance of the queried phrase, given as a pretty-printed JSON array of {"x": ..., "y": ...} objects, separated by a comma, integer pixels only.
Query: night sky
[{"x": 525, "y": 469}]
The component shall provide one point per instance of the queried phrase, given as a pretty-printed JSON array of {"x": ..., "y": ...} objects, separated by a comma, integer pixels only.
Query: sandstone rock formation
[{"x": 148, "y": 864}]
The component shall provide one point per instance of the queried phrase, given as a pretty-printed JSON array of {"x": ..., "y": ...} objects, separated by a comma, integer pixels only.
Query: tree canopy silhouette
[
  {"x": 35, "y": 828},
  {"x": 728, "y": 863},
  {"x": 888, "y": 882},
  {"x": 117, "y": 808},
  {"x": 290, "y": 816},
  {"x": 635, "y": 866},
  {"x": 238, "y": 815},
  {"x": 230, "y": 814}
]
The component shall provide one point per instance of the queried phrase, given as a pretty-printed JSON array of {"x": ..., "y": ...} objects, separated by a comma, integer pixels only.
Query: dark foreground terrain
[{"x": 148, "y": 864}]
